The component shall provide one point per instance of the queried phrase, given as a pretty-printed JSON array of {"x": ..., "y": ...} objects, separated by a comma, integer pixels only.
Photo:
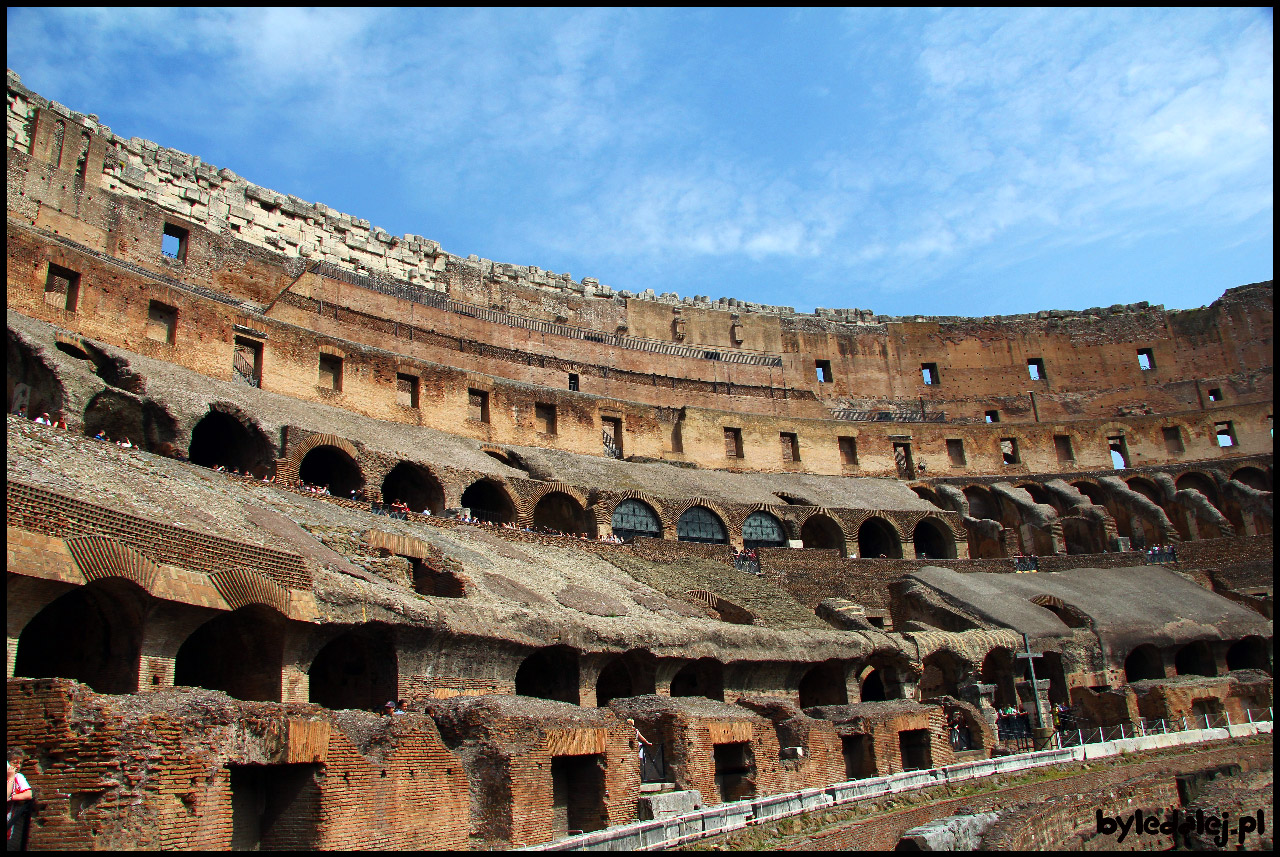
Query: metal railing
[
  {"x": 610, "y": 445},
  {"x": 883, "y": 416},
  {"x": 1158, "y": 726},
  {"x": 1026, "y": 563},
  {"x": 1166, "y": 553},
  {"x": 747, "y": 564}
]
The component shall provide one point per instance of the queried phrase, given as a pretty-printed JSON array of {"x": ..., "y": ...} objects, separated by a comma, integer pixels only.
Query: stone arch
[
  {"x": 240, "y": 587},
  {"x": 31, "y": 382},
  {"x": 489, "y": 500},
  {"x": 725, "y": 611},
  {"x": 982, "y": 503},
  {"x": 1194, "y": 480},
  {"x": 1042, "y": 495},
  {"x": 632, "y": 517},
  {"x": 332, "y": 467},
  {"x": 120, "y": 415},
  {"x": 629, "y": 674},
  {"x": 1254, "y": 477},
  {"x": 1195, "y": 659},
  {"x": 883, "y": 676},
  {"x": 561, "y": 511},
  {"x": 941, "y": 674},
  {"x": 1070, "y": 615},
  {"x": 822, "y": 531},
  {"x": 226, "y": 437},
  {"x": 703, "y": 677},
  {"x": 700, "y": 524},
  {"x": 414, "y": 485},
  {"x": 933, "y": 539},
  {"x": 240, "y": 653},
  {"x": 289, "y": 467},
  {"x": 1250, "y": 653},
  {"x": 924, "y": 492},
  {"x": 356, "y": 669},
  {"x": 100, "y": 558},
  {"x": 92, "y": 634},
  {"x": 998, "y": 669},
  {"x": 762, "y": 529},
  {"x": 1083, "y": 535},
  {"x": 1144, "y": 662},
  {"x": 823, "y": 684},
  {"x": 550, "y": 673},
  {"x": 878, "y": 537}
]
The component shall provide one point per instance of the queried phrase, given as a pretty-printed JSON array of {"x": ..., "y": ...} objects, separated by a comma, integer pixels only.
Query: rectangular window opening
[
  {"x": 1062, "y": 444},
  {"x": 735, "y": 771},
  {"x": 930, "y": 373},
  {"x": 544, "y": 418},
  {"x": 573, "y": 382},
  {"x": 478, "y": 406},
  {"x": 274, "y": 807},
  {"x": 62, "y": 288},
  {"x": 611, "y": 429},
  {"x": 330, "y": 372},
  {"x": 1035, "y": 367},
  {"x": 916, "y": 746},
  {"x": 1173, "y": 440},
  {"x": 1146, "y": 359},
  {"x": 1119, "y": 449},
  {"x": 1226, "y": 434},
  {"x": 992, "y": 416},
  {"x": 173, "y": 243},
  {"x": 1009, "y": 450},
  {"x": 955, "y": 451},
  {"x": 848, "y": 451},
  {"x": 733, "y": 443},
  {"x": 859, "y": 762},
  {"x": 246, "y": 361},
  {"x": 823, "y": 368},
  {"x": 1215, "y": 394},
  {"x": 577, "y": 795},
  {"x": 902, "y": 458},
  {"x": 162, "y": 322},
  {"x": 407, "y": 390},
  {"x": 790, "y": 446}
]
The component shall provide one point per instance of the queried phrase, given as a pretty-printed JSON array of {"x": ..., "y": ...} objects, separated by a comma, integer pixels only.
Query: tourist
[
  {"x": 125, "y": 443},
  {"x": 43, "y": 420},
  {"x": 17, "y": 808},
  {"x": 402, "y": 707},
  {"x": 641, "y": 745},
  {"x": 22, "y": 411},
  {"x": 102, "y": 435},
  {"x": 60, "y": 424},
  {"x": 389, "y": 709}
]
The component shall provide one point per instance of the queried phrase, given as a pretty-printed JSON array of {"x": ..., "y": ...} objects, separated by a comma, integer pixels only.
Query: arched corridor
[
  {"x": 822, "y": 533},
  {"x": 562, "y": 513},
  {"x": 488, "y": 501},
  {"x": 355, "y": 670},
  {"x": 878, "y": 538},
  {"x": 933, "y": 540},
  {"x": 240, "y": 653},
  {"x": 330, "y": 466},
  {"x": 219, "y": 439},
  {"x": 824, "y": 684},
  {"x": 415, "y": 486},
  {"x": 704, "y": 677},
  {"x": 550, "y": 673}
]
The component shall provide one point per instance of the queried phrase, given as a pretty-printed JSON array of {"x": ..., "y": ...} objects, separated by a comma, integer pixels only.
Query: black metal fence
[{"x": 1026, "y": 563}]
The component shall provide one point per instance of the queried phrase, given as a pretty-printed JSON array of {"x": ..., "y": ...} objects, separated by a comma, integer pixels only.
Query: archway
[
  {"x": 144, "y": 423},
  {"x": 332, "y": 467},
  {"x": 933, "y": 540},
  {"x": 415, "y": 486},
  {"x": 356, "y": 670},
  {"x": 560, "y": 512},
  {"x": 633, "y": 518},
  {"x": 550, "y": 673},
  {"x": 762, "y": 530},
  {"x": 704, "y": 677},
  {"x": 824, "y": 684},
  {"x": 1195, "y": 659},
  {"x": 31, "y": 381},
  {"x": 219, "y": 439},
  {"x": 1083, "y": 535},
  {"x": 1040, "y": 494},
  {"x": 614, "y": 683},
  {"x": 998, "y": 670},
  {"x": 941, "y": 676},
  {"x": 240, "y": 653},
  {"x": 700, "y": 524},
  {"x": 489, "y": 501},
  {"x": 1144, "y": 663},
  {"x": 878, "y": 538},
  {"x": 1194, "y": 481},
  {"x": 92, "y": 634},
  {"x": 1250, "y": 653},
  {"x": 981, "y": 503},
  {"x": 1254, "y": 477},
  {"x": 928, "y": 495},
  {"x": 822, "y": 533},
  {"x": 873, "y": 689}
]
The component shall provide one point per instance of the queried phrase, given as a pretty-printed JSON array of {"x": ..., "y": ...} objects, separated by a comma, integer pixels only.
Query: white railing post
[
  {"x": 1122, "y": 730},
  {"x": 1206, "y": 721},
  {"x": 1164, "y": 727},
  {"x": 1080, "y": 737},
  {"x": 1228, "y": 716},
  {"x": 1248, "y": 712}
]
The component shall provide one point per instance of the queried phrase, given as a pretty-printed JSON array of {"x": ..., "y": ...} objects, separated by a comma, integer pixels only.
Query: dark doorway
[
  {"x": 704, "y": 677},
  {"x": 330, "y": 466},
  {"x": 239, "y": 653},
  {"x": 735, "y": 771},
  {"x": 488, "y": 502},
  {"x": 1251, "y": 653},
  {"x": 877, "y": 538},
  {"x": 822, "y": 533},
  {"x": 577, "y": 795},
  {"x": 560, "y": 512},
  {"x": 92, "y": 634},
  {"x": 356, "y": 670},
  {"x": 917, "y": 749},
  {"x": 1195, "y": 659},
  {"x": 824, "y": 685},
  {"x": 614, "y": 683},
  {"x": 873, "y": 688},
  {"x": 859, "y": 761},
  {"x": 415, "y": 486},
  {"x": 1143, "y": 663},
  {"x": 933, "y": 540},
  {"x": 274, "y": 807},
  {"x": 221, "y": 439},
  {"x": 550, "y": 673}
]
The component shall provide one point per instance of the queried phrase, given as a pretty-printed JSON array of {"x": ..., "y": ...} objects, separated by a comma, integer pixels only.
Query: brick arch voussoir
[
  {"x": 789, "y": 526},
  {"x": 240, "y": 587},
  {"x": 99, "y": 558},
  {"x": 530, "y": 494},
  {"x": 688, "y": 503},
  {"x": 605, "y": 508},
  {"x": 288, "y": 467}
]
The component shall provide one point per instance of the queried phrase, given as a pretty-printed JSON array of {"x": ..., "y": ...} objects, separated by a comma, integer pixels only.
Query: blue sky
[{"x": 962, "y": 162}]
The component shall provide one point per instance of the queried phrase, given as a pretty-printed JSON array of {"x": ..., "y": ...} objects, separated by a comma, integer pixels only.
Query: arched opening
[
  {"x": 700, "y": 524},
  {"x": 1253, "y": 477},
  {"x": 31, "y": 382},
  {"x": 92, "y": 634},
  {"x": 1199, "y": 482},
  {"x": 824, "y": 684},
  {"x": 550, "y": 673},
  {"x": 941, "y": 676},
  {"x": 1250, "y": 653},
  {"x": 331, "y": 467},
  {"x": 219, "y": 439},
  {"x": 933, "y": 540},
  {"x": 1195, "y": 659},
  {"x": 144, "y": 424},
  {"x": 1083, "y": 535},
  {"x": 1142, "y": 486},
  {"x": 560, "y": 512},
  {"x": 633, "y": 518},
  {"x": 998, "y": 670},
  {"x": 822, "y": 533},
  {"x": 1071, "y": 616},
  {"x": 878, "y": 538},
  {"x": 762, "y": 530},
  {"x": 239, "y": 653},
  {"x": 1143, "y": 663},
  {"x": 1051, "y": 667},
  {"x": 981, "y": 503},
  {"x": 614, "y": 683},
  {"x": 873, "y": 689},
  {"x": 704, "y": 677},
  {"x": 1041, "y": 495},
  {"x": 928, "y": 495},
  {"x": 415, "y": 486},
  {"x": 356, "y": 670},
  {"x": 488, "y": 501}
]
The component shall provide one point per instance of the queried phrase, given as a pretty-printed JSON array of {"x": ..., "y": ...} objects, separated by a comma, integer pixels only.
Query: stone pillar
[
  {"x": 666, "y": 671},
  {"x": 167, "y": 626},
  {"x": 301, "y": 645}
]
